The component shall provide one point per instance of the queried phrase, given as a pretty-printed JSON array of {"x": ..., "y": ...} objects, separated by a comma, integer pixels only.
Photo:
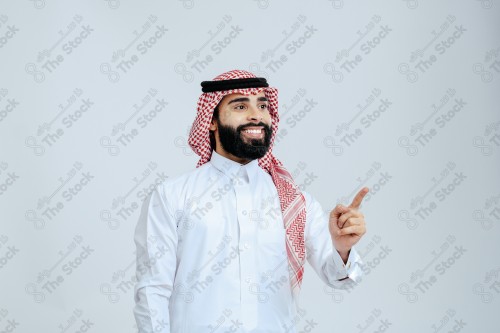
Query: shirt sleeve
[
  {"x": 322, "y": 255},
  {"x": 156, "y": 244}
]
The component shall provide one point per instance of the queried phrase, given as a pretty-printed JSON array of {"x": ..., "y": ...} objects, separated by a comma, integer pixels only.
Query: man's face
[{"x": 243, "y": 129}]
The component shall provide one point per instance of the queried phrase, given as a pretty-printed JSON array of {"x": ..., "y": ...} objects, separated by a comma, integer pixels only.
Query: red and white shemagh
[{"x": 291, "y": 199}]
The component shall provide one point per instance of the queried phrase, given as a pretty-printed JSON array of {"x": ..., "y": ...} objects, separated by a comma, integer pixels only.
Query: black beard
[{"x": 232, "y": 141}]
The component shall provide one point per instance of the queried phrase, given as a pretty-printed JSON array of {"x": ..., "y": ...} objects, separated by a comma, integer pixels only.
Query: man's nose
[{"x": 254, "y": 113}]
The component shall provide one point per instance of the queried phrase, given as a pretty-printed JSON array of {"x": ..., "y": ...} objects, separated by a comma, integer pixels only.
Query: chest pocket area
[{"x": 271, "y": 237}]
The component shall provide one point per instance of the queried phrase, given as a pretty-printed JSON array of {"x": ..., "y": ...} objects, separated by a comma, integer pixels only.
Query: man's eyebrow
[
  {"x": 246, "y": 99},
  {"x": 241, "y": 99}
]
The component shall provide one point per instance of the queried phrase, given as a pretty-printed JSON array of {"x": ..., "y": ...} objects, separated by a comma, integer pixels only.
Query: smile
[{"x": 253, "y": 131}]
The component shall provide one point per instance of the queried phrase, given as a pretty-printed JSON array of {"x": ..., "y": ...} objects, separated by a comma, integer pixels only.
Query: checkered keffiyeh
[{"x": 291, "y": 199}]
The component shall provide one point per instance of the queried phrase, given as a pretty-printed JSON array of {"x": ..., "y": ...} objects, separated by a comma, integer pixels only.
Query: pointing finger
[{"x": 356, "y": 202}]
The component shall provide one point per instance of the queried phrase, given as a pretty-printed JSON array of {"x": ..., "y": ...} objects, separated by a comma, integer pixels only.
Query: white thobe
[{"x": 211, "y": 253}]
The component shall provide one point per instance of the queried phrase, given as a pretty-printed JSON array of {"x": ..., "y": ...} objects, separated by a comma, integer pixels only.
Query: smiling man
[{"x": 223, "y": 247}]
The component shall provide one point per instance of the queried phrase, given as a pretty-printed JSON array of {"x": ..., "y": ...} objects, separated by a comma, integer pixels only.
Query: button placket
[{"x": 246, "y": 241}]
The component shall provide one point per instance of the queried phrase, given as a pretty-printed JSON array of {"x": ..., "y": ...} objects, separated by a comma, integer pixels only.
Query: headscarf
[{"x": 292, "y": 201}]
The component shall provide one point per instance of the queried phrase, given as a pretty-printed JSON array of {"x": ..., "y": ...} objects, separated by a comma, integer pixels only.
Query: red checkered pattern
[{"x": 291, "y": 199}]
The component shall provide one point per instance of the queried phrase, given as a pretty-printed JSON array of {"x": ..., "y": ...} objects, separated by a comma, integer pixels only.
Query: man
[{"x": 223, "y": 247}]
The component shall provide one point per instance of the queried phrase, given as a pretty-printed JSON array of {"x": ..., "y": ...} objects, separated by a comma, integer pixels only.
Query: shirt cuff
[{"x": 350, "y": 270}]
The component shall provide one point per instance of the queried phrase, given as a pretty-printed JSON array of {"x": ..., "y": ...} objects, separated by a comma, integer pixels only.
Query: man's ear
[{"x": 213, "y": 125}]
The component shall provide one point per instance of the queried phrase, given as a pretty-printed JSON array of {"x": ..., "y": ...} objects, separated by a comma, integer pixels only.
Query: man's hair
[{"x": 211, "y": 134}]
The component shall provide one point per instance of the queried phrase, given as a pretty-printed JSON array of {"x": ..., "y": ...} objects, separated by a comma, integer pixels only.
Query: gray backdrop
[{"x": 97, "y": 98}]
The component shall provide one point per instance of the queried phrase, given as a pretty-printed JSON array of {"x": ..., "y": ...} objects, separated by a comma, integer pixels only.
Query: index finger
[{"x": 356, "y": 202}]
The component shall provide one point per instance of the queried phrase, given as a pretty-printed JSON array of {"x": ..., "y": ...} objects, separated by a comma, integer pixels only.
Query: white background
[{"x": 432, "y": 259}]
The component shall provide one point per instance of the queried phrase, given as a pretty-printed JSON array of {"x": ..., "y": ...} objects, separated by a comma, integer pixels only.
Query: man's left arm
[{"x": 331, "y": 254}]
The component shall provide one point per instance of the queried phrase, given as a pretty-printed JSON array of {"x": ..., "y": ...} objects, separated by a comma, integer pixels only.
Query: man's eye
[
  {"x": 264, "y": 106},
  {"x": 239, "y": 107}
]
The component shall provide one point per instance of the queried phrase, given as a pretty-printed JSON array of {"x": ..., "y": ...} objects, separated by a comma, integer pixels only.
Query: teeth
[{"x": 253, "y": 131}]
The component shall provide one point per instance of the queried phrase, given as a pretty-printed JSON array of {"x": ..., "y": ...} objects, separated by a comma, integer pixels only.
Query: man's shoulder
[{"x": 184, "y": 179}]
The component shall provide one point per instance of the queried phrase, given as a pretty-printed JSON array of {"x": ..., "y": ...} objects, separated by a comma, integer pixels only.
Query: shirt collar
[{"x": 246, "y": 172}]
